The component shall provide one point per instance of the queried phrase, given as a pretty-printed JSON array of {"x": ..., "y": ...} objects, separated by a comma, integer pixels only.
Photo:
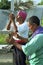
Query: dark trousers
[{"x": 19, "y": 58}]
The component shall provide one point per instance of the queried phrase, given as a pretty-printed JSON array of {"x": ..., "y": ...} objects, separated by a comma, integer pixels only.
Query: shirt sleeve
[{"x": 35, "y": 44}]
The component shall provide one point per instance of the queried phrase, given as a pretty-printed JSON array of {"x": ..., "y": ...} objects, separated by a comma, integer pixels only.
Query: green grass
[{"x": 3, "y": 38}]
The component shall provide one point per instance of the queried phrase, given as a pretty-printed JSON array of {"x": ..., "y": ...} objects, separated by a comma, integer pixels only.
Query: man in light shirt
[{"x": 20, "y": 35}]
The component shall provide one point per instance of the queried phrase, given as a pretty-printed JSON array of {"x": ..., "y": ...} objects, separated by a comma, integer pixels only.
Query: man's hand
[
  {"x": 15, "y": 34},
  {"x": 11, "y": 17}
]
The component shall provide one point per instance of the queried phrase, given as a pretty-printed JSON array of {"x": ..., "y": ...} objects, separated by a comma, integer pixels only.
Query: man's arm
[
  {"x": 35, "y": 44},
  {"x": 31, "y": 47},
  {"x": 15, "y": 27},
  {"x": 8, "y": 26},
  {"x": 22, "y": 38}
]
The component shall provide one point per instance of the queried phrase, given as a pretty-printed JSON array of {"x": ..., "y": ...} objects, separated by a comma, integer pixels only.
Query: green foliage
[
  {"x": 41, "y": 3},
  {"x": 31, "y": 2},
  {"x": 4, "y": 4},
  {"x": 1, "y": 5},
  {"x": 3, "y": 38},
  {"x": 42, "y": 22}
]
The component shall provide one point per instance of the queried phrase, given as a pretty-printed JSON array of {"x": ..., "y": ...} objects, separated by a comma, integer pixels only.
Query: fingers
[{"x": 11, "y": 16}]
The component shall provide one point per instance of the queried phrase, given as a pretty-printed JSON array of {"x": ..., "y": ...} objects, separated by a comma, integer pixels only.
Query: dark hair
[{"x": 35, "y": 20}]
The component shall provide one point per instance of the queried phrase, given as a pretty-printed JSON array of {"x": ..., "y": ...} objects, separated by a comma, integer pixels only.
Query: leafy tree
[
  {"x": 41, "y": 3},
  {"x": 27, "y": 4},
  {"x": 4, "y": 4}
]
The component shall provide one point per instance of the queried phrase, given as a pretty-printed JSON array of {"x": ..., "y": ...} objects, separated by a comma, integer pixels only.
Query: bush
[
  {"x": 3, "y": 38},
  {"x": 42, "y": 22},
  {"x": 5, "y": 6}
]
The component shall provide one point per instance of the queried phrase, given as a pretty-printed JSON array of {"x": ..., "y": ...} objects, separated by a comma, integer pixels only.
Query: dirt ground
[{"x": 6, "y": 59}]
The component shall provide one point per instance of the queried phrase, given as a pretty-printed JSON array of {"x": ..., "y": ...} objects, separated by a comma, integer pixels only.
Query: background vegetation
[
  {"x": 5, "y": 4},
  {"x": 3, "y": 38},
  {"x": 42, "y": 22}
]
